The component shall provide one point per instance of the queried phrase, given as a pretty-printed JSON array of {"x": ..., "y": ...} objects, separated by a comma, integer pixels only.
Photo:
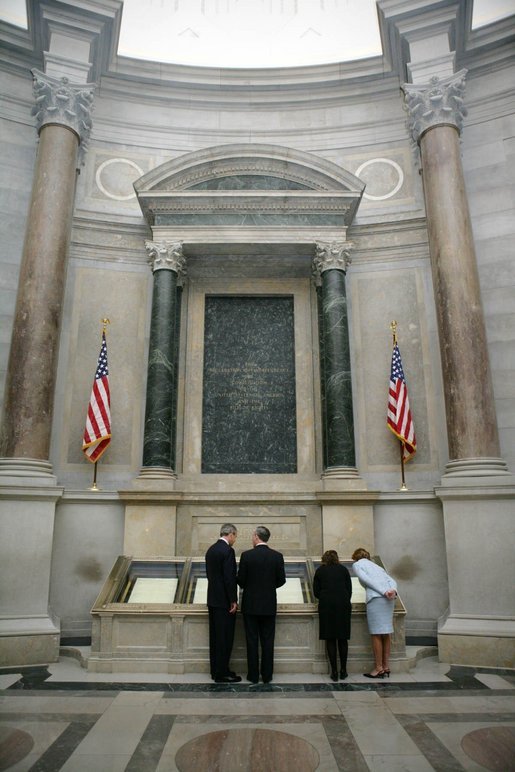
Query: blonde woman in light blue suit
[{"x": 381, "y": 591}]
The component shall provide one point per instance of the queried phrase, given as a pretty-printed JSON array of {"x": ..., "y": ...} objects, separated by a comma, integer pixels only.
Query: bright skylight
[
  {"x": 250, "y": 33},
  {"x": 253, "y": 33}
]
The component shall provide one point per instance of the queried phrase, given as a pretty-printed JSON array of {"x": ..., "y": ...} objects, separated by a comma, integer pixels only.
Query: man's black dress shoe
[{"x": 228, "y": 679}]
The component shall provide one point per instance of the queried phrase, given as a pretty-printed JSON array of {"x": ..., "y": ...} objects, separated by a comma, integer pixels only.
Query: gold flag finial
[
  {"x": 105, "y": 321},
  {"x": 393, "y": 328}
]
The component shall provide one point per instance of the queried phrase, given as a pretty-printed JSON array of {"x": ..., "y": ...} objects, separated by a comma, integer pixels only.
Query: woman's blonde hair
[
  {"x": 330, "y": 557},
  {"x": 360, "y": 553}
]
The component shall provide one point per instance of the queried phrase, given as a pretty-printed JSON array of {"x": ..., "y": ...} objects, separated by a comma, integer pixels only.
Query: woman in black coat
[{"x": 332, "y": 586}]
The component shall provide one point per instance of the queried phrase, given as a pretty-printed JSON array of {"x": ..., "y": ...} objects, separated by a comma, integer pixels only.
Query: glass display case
[
  {"x": 183, "y": 581},
  {"x": 151, "y": 615},
  {"x": 150, "y": 582}
]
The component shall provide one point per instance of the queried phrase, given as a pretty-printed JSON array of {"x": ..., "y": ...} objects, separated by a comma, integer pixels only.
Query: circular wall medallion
[
  {"x": 493, "y": 747},
  {"x": 387, "y": 183},
  {"x": 115, "y": 177},
  {"x": 247, "y": 750},
  {"x": 14, "y": 746}
]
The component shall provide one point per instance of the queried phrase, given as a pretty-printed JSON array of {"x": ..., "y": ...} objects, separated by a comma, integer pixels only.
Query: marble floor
[{"x": 436, "y": 717}]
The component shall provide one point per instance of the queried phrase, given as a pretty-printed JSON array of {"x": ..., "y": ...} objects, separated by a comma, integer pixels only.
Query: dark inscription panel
[{"x": 249, "y": 415}]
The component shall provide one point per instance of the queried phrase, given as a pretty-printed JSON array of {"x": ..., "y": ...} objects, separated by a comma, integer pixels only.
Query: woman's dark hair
[{"x": 330, "y": 557}]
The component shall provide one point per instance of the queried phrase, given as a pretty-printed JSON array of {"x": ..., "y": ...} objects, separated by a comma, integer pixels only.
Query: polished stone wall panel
[
  {"x": 305, "y": 398},
  {"x": 249, "y": 411}
]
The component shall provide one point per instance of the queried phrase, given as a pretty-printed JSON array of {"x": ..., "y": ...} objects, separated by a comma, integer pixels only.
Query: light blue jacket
[{"x": 373, "y": 578}]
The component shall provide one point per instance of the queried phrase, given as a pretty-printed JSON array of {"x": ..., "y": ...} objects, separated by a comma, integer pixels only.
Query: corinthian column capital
[
  {"x": 166, "y": 256},
  {"x": 60, "y": 102},
  {"x": 331, "y": 254},
  {"x": 437, "y": 103}
]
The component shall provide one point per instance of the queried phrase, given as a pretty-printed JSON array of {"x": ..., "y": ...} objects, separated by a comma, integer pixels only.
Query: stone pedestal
[
  {"x": 29, "y": 634},
  {"x": 347, "y": 521},
  {"x": 150, "y": 529},
  {"x": 479, "y": 627}
]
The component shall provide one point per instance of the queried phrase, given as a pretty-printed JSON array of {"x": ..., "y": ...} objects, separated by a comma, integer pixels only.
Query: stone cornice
[
  {"x": 62, "y": 103},
  {"x": 101, "y": 20},
  {"x": 166, "y": 256},
  {"x": 437, "y": 103}
]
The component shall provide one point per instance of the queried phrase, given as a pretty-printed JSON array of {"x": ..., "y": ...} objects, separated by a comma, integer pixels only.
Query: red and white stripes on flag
[
  {"x": 97, "y": 434},
  {"x": 399, "y": 418}
]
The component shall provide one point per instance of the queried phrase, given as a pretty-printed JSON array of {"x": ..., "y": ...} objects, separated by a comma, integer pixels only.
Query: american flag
[
  {"x": 97, "y": 434},
  {"x": 399, "y": 418}
]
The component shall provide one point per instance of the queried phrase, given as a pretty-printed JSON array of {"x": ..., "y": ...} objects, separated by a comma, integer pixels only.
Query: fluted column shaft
[
  {"x": 158, "y": 443},
  {"x": 437, "y": 111},
  {"x": 338, "y": 420}
]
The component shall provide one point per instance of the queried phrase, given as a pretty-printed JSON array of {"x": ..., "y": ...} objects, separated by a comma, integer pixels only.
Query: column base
[
  {"x": 341, "y": 472},
  {"x": 30, "y": 640},
  {"x": 19, "y": 471},
  {"x": 476, "y": 467},
  {"x": 157, "y": 473},
  {"x": 342, "y": 478},
  {"x": 477, "y": 641}
]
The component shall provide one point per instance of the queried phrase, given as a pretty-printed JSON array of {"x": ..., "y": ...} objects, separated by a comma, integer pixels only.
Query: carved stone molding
[
  {"x": 166, "y": 256},
  {"x": 60, "y": 102},
  {"x": 439, "y": 102},
  {"x": 331, "y": 255}
]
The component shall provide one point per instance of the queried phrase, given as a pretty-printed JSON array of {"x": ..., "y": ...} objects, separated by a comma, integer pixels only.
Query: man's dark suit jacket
[
  {"x": 260, "y": 572},
  {"x": 221, "y": 575}
]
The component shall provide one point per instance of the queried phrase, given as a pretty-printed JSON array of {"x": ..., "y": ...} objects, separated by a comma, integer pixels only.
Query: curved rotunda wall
[
  {"x": 389, "y": 278},
  {"x": 148, "y": 116}
]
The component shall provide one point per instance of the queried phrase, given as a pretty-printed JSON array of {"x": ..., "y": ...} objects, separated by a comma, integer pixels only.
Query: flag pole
[
  {"x": 105, "y": 321},
  {"x": 403, "y": 487},
  {"x": 393, "y": 328},
  {"x": 95, "y": 487}
]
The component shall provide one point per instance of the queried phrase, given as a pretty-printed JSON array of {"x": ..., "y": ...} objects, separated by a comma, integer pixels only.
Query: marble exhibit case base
[{"x": 151, "y": 617}]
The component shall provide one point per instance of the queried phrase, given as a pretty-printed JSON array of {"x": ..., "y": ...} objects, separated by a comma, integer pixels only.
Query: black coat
[
  {"x": 260, "y": 572},
  {"x": 332, "y": 586},
  {"x": 221, "y": 575}
]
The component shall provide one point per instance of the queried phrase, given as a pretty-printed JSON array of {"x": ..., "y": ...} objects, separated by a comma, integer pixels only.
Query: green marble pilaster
[
  {"x": 158, "y": 442},
  {"x": 338, "y": 421}
]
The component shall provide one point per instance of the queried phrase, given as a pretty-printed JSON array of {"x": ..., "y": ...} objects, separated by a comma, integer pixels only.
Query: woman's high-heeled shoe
[
  {"x": 379, "y": 674},
  {"x": 334, "y": 676},
  {"x": 386, "y": 672},
  {"x": 343, "y": 675}
]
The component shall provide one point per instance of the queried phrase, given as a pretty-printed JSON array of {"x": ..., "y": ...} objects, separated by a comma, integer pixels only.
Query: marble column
[
  {"x": 436, "y": 112},
  {"x": 330, "y": 266},
  {"x": 168, "y": 265},
  {"x": 62, "y": 115}
]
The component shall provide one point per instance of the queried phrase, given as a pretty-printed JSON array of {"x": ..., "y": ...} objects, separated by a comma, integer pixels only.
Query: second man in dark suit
[{"x": 261, "y": 571}]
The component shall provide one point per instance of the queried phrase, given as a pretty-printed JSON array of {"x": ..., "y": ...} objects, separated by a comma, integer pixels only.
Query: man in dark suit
[
  {"x": 260, "y": 572},
  {"x": 222, "y": 603}
]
